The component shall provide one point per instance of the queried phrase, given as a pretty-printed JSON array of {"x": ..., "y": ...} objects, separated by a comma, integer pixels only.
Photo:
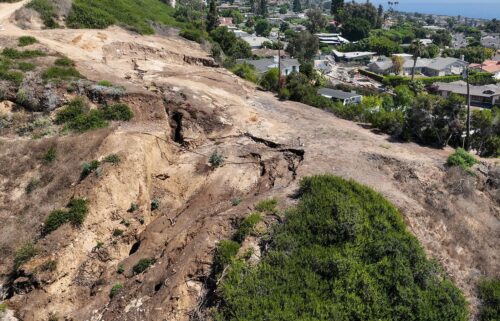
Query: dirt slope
[{"x": 185, "y": 109}]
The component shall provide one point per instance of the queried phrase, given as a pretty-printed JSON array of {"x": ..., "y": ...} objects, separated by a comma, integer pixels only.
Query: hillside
[{"x": 157, "y": 212}]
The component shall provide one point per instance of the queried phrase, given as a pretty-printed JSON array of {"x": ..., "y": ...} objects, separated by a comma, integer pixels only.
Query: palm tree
[{"x": 416, "y": 48}]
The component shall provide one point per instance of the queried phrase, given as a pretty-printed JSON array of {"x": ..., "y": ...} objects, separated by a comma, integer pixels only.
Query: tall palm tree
[{"x": 416, "y": 49}]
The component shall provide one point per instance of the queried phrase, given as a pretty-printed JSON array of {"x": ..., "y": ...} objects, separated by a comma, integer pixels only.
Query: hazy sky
[{"x": 488, "y": 9}]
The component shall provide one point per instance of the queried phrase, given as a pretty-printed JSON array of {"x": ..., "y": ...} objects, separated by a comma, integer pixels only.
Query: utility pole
[
  {"x": 467, "y": 134},
  {"x": 279, "y": 62}
]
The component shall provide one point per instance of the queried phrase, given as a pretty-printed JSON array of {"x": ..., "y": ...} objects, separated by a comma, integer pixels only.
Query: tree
[
  {"x": 486, "y": 132},
  {"x": 397, "y": 64},
  {"x": 353, "y": 10},
  {"x": 380, "y": 16},
  {"x": 303, "y": 45},
  {"x": 442, "y": 38},
  {"x": 230, "y": 44},
  {"x": 262, "y": 27},
  {"x": 270, "y": 80},
  {"x": 212, "y": 16},
  {"x": 416, "y": 49},
  {"x": 297, "y": 7},
  {"x": 317, "y": 20},
  {"x": 336, "y": 6},
  {"x": 263, "y": 8},
  {"x": 356, "y": 29},
  {"x": 432, "y": 50}
]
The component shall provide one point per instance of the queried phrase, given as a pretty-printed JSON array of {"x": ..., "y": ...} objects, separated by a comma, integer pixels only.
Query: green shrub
[
  {"x": 236, "y": 201},
  {"x": 75, "y": 214},
  {"x": 142, "y": 265},
  {"x": 79, "y": 117},
  {"x": 105, "y": 83},
  {"x": 155, "y": 204},
  {"x": 26, "y": 41},
  {"x": 133, "y": 208},
  {"x": 64, "y": 62},
  {"x": 117, "y": 232},
  {"x": 50, "y": 155},
  {"x": 46, "y": 11},
  {"x": 117, "y": 112},
  {"x": 462, "y": 158},
  {"x": 246, "y": 71},
  {"x": 268, "y": 205},
  {"x": 343, "y": 253},
  {"x": 113, "y": 159},
  {"x": 216, "y": 159},
  {"x": 60, "y": 73},
  {"x": 224, "y": 254},
  {"x": 270, "y": 80},
  {"x": 120, "y": 269},
  {"x": 489, "y": 294},
  {"x": 27, "y": 251},
  {"x": 12, "y": 76},
  {"x": 16, "y": 54},
  {"x": 26, "y": 66},
  {"x": 247, "y": 226},
  {"x": 88, "y": 168},
  {"x": 115, "y": 289},
  {"x": 3, "y": 307},
  {"x": 32, "y": 185},
  {"x": 194, "y": 34}
]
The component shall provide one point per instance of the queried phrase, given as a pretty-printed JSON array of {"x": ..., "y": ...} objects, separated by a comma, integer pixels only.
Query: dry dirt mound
[{"x": 185, "y": 111}]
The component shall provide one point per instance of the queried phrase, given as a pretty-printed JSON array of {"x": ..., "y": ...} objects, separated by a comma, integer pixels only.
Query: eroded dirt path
[{"x": 185, "y": 110}]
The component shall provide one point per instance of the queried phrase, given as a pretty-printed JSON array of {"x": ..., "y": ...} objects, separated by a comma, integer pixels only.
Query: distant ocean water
[{"x": 486, "y": 9}]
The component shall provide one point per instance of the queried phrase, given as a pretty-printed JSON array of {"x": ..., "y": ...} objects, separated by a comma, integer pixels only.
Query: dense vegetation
[
  {"x": 75, "y": 214},
  {"x": 462, "y": 159},
  {"x": 342, "y": 254},
  {"x": 135, "y": 15},
  {"x": 78, "y": 116},
  {"x": 489, "y": 294}
]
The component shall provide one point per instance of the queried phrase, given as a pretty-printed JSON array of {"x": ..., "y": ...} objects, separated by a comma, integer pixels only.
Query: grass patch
[
  {"x": 12, "y": 53},
  {"x": 462, "y": 159},
  {"x": 24, "y": 254},
  {"x": 343, "y": 253},
  {"x": 135, "y": 15},
  {"x": 46, "y": 11},
  {"x": 133, "y": 207},
  {"x": 216, "y": 159},
  {"x": 60, "y": 73},
  {"x": 113, "y": 159},
  {"x": 143, "y": 265},
  {"x": 105, "y": 83},
  {"x": 26, "y": 66},
  {"x": 26, "y": 41},
  {"x": 88, "y": 168},
  {"x": 79, "y": 117},
  {"x": 3, "y": 307},
  {"x": 489, "y": 294},
  {"x": 267, "y": 206},
  {"x": 75, "y": 214},
  {"x": 117, "y": 232},
  {"x": 115, "y": 289},
  {"x": 64, "y": 62},
  {"x": 247, "y": 227},
  {"x": 50, "y": 155},
  {"x": 120, "y": 269}
]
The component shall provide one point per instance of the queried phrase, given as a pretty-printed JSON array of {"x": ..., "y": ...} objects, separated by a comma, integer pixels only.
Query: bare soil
[{"x": 186, "y": 109}]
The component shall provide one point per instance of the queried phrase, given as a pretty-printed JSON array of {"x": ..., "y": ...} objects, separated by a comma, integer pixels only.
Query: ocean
[{"x": 486, "y": 9}]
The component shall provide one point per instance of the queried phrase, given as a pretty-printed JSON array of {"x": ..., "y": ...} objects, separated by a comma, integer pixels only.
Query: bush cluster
[
  {"x": 489, "y": 294},
  {"x": 342, "y": 254},
  {"x": 75, "y": 214},
  {"x": 246, "y": 227},
  {"x": 22, "y": 54},
  {"x": 24, "y": 254},
  {"x": 143, "y": 265},
  {"x": 46, "y": 11},
  {"x": 115, "y": 289},
  {"x": 462, "y": 159},
  {"x": 26, "y": 41},
  {"x": 79, "y": 117},
  {"x": 59, "y": 73}
]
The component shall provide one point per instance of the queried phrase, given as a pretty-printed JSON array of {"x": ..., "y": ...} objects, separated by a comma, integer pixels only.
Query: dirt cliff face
[{"x": 172, "y": 205}]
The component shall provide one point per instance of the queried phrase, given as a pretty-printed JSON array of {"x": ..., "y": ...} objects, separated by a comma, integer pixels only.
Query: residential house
[
  {"x": 346, "y": 98},
  {"x": 481, "y": 96},
  {"x": 325, "y": 65},
  {"x": 225, "y": 21},
  {"x": 427, "y": 67},
  {"x": 359, "y": 56},
  {"x": 288, "y": 65},
  {"x": 255, "y": 42},
  {"x": 491, "y": 40},
  {"x": 331, "y": 39},
  {"x": 490, "y": 66}
]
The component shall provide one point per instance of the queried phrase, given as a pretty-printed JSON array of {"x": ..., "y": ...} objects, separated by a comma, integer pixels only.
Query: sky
[{"x": 487, "y": 9}]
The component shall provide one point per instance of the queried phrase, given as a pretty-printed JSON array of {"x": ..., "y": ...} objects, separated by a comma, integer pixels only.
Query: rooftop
[
  {"x": 338, "y": 94},
  {"x": 460, "y": 87}
]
